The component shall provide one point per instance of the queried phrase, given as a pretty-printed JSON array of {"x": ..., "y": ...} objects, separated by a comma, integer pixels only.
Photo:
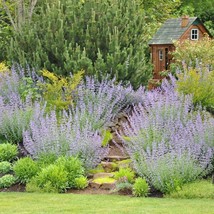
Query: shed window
[
  {"x": 194, "y": 34},
  {"x": 160, "y": 55}
]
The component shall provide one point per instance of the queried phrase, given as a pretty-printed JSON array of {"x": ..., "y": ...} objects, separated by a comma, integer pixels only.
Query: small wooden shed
[{"x": 173, "y": 30}]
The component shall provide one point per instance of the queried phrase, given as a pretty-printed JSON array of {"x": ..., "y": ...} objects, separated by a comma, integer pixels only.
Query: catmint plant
[
  {"x": 15, "y": 117},
  {"x": 169, "y": 143},
  {"x": 64, "y": 137},
  {"x": 99, "y": 102}
]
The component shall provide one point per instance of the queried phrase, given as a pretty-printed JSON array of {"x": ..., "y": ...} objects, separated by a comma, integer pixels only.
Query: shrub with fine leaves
[
  {"x": 169, "y": 143},
  {"x": 64, "y": 137},
  {"x": 97, "y": 102}
]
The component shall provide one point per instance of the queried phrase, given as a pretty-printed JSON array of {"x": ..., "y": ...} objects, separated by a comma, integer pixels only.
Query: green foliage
[
  {"x": 14, "y": 122},
  {"x": 8, "y": 152},
  {"x": 197, "y": 189},
  {"x": 123, "y": 187},
  {"x": 107, "y": 136},
  {"x": 7, "y": 181},
  {"x": 53, "y": 178},
  {"x": 104, "y": 180},
  {"x": 200, "y": 8},
  {"x": 197, "y": 54},
  {"x": 125, "y": 173},
  {"x": 28, "y": 88},
  {"x": 57, "y": 90},
  {"x": 25, "y": 169},
  {"x": 81, "y": 182},
  {"x": 46, "y": 159},
  {"x": 100, "y": 37},
  {"x": 73, "y": 168},
  {"x": 200, "y": 85},
  {"x": 5, "y": 167},
  {"x": 140, "y": 188}
]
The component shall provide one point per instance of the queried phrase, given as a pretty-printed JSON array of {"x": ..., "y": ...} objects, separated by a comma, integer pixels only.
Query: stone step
[
  {"x": 103, "y": 183},
  {"x": 116, "y": 158},
  {"x": 103, "y": 175},
  {"x": 109, "y": 166}
]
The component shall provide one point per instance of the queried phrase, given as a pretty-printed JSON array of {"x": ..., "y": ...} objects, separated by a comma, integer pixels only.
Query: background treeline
[{"x": 101, "y": 37}]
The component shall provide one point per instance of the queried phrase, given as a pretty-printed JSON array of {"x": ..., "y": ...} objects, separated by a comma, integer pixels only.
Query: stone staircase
[{"x": 103, "y": 178}]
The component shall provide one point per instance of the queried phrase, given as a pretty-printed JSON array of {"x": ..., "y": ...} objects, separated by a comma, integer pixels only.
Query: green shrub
[
  {"x": 25, "y": 169},
  {"x": 197, "y": 189},
  {"x": 124, "y": 187},
  {"x": 53, "y": 178},
  {"x": 81, "y": 182},
  {"x": 140, "y": 188},
  {"x": 7, "y": 181},
  {"x": 8, "y": 152},
  {"x": 200, "y": 85},
  {"x": 46, "y": 159},
  {"x": 5, "y": 167},
  {"x": 125, "y": 173},
  {"x": 74, "y": 168}
]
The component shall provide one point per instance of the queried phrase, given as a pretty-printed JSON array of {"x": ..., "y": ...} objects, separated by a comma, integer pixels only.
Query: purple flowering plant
[
  {"x": 169, "y": 143},
  {"x": 64, "y": 137}
]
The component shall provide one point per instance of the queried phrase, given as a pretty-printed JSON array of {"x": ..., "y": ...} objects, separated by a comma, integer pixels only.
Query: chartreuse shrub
[
  {"x": 197, "y": 189},
  {"x": 66, "y": 172},
  {"x": 8, "y": 152},
  {"x": 57, "y": 90},
  {"x": 125, "y": 174},
  {"x": 3, "y": 67},
  {"x": 46, "y": 159},
  {"x": 25, "y": 169},
  {"x": 74, "y": 168},
  {"x": 81, "y": 182},
  {"x": 200, "y": 85},
  {"x": 7, "y": 181},
  {"x": 5, "y": 167},
  {"x": 140, "y": 188},
  {"x": 53, "y": 178},
  {"x": 169, "y": 143}
]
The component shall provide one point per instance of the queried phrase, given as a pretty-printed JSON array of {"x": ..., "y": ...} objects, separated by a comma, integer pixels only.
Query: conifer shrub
[
  {"x": 106, "y": 38},
  {"x": 25, "y": 169},
  {"x": 8, "y": 152}
]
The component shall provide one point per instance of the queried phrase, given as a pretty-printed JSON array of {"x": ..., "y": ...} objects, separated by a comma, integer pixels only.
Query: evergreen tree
[{"x": 102, "y": 37}]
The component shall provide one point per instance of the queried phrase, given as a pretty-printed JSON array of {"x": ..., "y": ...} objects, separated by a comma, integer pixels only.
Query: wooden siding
[
  {"x": 161, "y": 65},
  {"x": 187, "y": 34}
]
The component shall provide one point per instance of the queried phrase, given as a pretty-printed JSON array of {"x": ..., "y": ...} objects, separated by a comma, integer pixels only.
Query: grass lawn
[{"x": 74, "y": 203}]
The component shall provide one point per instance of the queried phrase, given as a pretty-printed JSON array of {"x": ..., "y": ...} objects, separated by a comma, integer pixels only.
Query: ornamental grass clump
[
  {"x": 64, "y": 137},
  {"x": 170, "y": 143}
]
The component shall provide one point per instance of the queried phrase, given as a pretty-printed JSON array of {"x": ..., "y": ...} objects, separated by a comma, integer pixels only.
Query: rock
[
  {"x": 116, "y": 158},
  {"x": 103, "y": 175},
  {"x": 94, "y": 185},
  {"x": 109, "y": 166},
  {"x": 108, "y": 186}
]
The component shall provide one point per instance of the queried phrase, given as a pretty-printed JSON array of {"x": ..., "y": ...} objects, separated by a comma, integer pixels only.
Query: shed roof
[{"x": 171, "y": 30}]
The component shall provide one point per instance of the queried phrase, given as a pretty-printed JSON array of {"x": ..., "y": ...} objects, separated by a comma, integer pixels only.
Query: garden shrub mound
[{"x": 168, "y": 141}]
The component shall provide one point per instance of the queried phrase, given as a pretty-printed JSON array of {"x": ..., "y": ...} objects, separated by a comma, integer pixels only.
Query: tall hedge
[{"x": 100, "y": 36}]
